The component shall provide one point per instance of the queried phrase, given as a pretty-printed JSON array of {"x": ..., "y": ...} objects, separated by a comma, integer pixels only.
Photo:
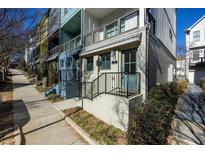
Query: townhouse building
[
  {"x": 195, "y": 47},
  {"x": 53, "y": 46},
  {"x": 126, "y": 52},
  {"x": 71, "y": 46}
]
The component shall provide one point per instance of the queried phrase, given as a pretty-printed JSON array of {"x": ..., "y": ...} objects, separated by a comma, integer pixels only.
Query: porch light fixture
[{"x": 113, "y": 55}]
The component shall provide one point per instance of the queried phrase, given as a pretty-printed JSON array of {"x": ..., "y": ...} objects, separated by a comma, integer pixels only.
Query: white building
[
  {"x": 195, "y": 56},
  {"x": 181, "y": 67}
]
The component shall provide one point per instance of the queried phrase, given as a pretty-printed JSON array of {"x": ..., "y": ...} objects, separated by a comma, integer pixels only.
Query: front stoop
[{"x": 84, "y": 134}]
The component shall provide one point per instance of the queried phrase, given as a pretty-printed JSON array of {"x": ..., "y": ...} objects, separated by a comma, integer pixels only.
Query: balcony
[
  {"x": 54, "y": 50},
  {"x": 122, "y": 30},
  {"x": 72, "y": 45},
  {"x": 196, "y": 61}
]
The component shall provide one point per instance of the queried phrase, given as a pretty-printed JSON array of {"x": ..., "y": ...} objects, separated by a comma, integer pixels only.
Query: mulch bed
[
  {"x": 98, "y": 130},
  {"x": 6, "y": 111}
]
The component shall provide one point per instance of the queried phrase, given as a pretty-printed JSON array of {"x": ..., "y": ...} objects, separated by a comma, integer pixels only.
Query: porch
[{"x": 115, "y": 83}]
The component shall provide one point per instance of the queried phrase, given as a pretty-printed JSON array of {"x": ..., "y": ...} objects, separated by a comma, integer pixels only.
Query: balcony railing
[
  {"x": 114, "y": 28},
  {"x": 194, "y": 61},
  {"x": 67, "y": 46},
  {"x": 55, "y": 50},
  {"x": 72, "y": 44}
]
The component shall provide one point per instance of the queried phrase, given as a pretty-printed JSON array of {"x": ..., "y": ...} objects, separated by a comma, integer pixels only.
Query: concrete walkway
[
  {"x": 190, "y": 117},
  {"x": 41, "y": 124}
]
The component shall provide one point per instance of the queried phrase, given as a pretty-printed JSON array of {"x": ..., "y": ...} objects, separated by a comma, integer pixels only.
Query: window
[
  {"x": 65, "y": 11},
  {"x": 195, "y": 55},
  {"x": 90, "y": 64},
  {"x": 62, "y": 63},
  {"x": 196, "y": 36},
  {"x": 105, "y": 61},
  {"x": 128, "y": 22},
  {"x": 111, "y": 30},
  {"x": 170, "y": 35},
  {"x": 99, "y": 35},
  {"x": 69, "y": 61}
]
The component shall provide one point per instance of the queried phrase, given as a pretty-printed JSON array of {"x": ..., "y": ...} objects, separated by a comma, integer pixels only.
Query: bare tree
[{"x": 15, "y": 27}]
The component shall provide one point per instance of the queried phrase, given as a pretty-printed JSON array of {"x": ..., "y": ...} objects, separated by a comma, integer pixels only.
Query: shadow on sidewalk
[{"x": 10, "y": 118}]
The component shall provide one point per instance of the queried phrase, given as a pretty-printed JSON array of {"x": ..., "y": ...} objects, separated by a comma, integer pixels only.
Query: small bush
[
  {"x": 151, "y": 123},
  {"x": 202, "y": 83},
  {"x": 54, "y": 98},
  {"x": 182, "y": 84}
]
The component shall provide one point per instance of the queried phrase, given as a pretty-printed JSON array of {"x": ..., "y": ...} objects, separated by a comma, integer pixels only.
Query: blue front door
[{"x": 129, "y": 67}]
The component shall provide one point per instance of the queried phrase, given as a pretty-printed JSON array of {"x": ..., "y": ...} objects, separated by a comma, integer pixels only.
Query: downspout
[
  {"x": 147, "y": 24},
  {"x": 81, "y": 62}
]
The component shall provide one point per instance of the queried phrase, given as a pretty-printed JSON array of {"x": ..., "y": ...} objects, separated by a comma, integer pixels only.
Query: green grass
[
  {"x": 54, "y": 98},
  {"x": 98, "y": 130},
  {"x": 40, "y": 88}
]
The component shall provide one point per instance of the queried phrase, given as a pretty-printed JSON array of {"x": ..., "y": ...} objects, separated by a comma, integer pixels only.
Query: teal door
[{"x": 129, "y": 66}]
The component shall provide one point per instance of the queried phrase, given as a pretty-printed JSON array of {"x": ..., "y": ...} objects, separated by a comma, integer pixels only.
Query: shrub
[
  {"x": 182, "y": 84},
  {"x": 202, "y": 83},
  {"x": 151, "y": 123}
]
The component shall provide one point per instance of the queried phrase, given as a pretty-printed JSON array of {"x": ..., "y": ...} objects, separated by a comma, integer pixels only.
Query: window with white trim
[
  {"x": 111, "y": 30},
  {"x": 196, "y": 36},
  {"x": 105, "y": 61},
  {"x": 90, "y": 64},
  {"x": 195, "y": 55},
  {"x": 129, "y": 22}
]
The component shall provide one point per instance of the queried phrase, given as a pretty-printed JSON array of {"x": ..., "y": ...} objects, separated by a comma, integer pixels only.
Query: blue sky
[{"x": 185, "y": 18}]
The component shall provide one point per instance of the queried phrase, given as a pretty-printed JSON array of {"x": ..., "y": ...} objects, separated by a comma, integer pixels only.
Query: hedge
[{"x": 151, "y": 123}]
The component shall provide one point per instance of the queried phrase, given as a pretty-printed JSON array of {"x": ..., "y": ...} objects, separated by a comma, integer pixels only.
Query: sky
[{"x": 186, "y": 17}]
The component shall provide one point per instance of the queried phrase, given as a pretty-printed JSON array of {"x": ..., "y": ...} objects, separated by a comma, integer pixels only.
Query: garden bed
[
  {"x": 98, "y": 130},
  {"x": 6, "y": 112}
]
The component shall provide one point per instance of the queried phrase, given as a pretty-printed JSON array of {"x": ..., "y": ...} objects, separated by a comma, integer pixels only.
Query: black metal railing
[
  {"x": 200, "y": 60},
  {"x": 116, "y": 83}
]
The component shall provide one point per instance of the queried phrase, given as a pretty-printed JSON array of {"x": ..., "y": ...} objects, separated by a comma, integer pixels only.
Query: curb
[
  {"x": 18, "y": 136},
  {"x": 84, "y": 134}
]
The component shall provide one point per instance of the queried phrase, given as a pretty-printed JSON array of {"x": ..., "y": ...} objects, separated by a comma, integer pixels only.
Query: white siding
[{"x": 199, "y": 27}]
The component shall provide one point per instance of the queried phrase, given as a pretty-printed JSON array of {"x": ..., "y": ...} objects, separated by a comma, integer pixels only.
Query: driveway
[{"x": 41, "y": 124}]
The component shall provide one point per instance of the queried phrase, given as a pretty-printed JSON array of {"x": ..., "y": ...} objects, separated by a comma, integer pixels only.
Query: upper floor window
[
  {"x": 90, "y": 64},
  {"x": 196, "y": 36},
  {"x": 111, "y": 30},
  {"x": 65, "y": 11},
  {"x": 69, "y": 61},
  {"x": 129, "y": 22},
  {"x": 170, "y": 35},
  {"x": 196, "y": 55},
  {"x": 62, "y": 63},
  {"x": 105, "y": 61}
]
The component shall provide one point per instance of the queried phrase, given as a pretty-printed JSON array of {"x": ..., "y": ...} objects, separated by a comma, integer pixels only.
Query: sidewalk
[
  {"x": 41, "y": 123},
  {"x": 189, "y": 117}
]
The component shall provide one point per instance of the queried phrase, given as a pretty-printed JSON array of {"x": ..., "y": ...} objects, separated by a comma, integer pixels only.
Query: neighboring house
[
  {"x": 123, "y": 57},
  {"x": 69, "y": 59},
  {"x": 43, "y": 45},
  {"x": 53, "y": 47},
  {"x": 181, "y": 68},
  {"x": 195, "y": 56}
]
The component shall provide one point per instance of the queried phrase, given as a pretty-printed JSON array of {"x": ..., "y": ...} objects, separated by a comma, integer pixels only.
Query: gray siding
[
  {"x": 165, "y": 21},
  {"x": 159, "y": 59}
]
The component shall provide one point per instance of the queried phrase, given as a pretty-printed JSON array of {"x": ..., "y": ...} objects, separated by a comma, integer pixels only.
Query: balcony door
[{"x": 130, "y": 80}]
